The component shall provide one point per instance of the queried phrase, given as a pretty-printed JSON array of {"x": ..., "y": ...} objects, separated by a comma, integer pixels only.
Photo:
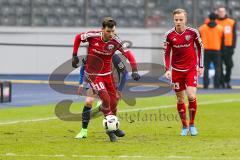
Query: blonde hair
[{"x": 178, "y": 11}]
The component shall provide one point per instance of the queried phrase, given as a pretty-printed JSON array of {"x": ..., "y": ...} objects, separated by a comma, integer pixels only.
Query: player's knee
[
  {"x": 89, "y": 102},
  {"x": 180, "y": 99},
  {"x": 191, "y": 97}
]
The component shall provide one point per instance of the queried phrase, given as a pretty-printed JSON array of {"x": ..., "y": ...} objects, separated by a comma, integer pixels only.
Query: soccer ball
[{"x": 111, "y": 123}]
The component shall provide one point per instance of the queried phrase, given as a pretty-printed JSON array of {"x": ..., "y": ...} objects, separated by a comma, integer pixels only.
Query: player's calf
[
  {"x": 192, "y": 107},
  {"x": 86, "y": 116}
]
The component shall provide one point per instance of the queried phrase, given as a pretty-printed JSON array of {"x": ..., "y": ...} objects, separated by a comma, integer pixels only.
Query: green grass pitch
[{"x": 151, "y": 133}]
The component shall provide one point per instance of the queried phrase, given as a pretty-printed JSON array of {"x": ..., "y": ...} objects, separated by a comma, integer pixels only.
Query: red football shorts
[
  {"x": 183, "y": 79},
  {"x": 104, "y": 86}
]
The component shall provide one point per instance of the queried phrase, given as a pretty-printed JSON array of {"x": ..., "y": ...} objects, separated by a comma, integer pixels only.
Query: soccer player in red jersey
[
  {"x": 98, "y": 69},
  {"x": 183, "y": 66}
]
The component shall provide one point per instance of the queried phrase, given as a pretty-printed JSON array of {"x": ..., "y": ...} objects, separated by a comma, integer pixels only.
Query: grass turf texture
[{"x": 147, "y": 138}]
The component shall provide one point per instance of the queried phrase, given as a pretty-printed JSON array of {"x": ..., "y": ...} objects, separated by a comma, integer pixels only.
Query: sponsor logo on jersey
[
  {"x": 102, "y": 53},
  {"x": 182, "y": 46}
]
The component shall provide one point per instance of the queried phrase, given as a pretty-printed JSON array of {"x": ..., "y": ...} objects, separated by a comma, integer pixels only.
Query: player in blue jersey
[{"x": 120, "y": 76}]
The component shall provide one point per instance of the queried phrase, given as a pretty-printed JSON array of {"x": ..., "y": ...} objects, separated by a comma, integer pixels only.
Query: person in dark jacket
[{"x": 212, "y": 37}]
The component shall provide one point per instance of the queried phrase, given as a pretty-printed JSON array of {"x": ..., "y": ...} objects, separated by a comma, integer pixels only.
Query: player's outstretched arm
[
  {"x": 128, "y": 54},
  {"x": 75, "y": 59}
]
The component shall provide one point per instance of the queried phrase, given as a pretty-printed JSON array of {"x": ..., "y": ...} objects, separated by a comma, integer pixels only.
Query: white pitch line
[
  {"x": 30, "y": 120},
  {"x": 118, "y": 157},
  {"x": 122, "y": 111},
  {"x": 171, "y": 106},
  {"x": 30, "y": 155}
]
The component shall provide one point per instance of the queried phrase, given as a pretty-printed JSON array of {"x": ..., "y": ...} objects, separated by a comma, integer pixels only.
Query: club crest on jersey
[
  {"x": 187, "y": 37},
  {"x": 110, "y": 47}
]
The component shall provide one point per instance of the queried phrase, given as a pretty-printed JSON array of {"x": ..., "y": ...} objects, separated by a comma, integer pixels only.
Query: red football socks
[
  {"x": 192, "y": 110},
  {"x": 182, "y": 113}
]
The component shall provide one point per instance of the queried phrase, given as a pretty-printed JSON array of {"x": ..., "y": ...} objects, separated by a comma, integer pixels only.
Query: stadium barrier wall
[{"x": 17, "y": 59}]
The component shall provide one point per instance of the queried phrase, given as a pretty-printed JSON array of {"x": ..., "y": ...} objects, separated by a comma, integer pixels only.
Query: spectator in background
[
  {"x": 230, "y": 29},
  {"x": 207, "y": 20},
  {"x": 212, "y": 37}
]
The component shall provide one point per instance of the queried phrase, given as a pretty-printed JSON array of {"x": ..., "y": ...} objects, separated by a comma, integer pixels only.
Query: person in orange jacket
[
  {"x": 212, "y": 37},
  {"x": 230, "y": 37}
]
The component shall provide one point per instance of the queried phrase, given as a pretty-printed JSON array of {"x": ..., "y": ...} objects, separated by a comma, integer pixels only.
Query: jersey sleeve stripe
[
  {"x": 198, "y": 38},
  {"x": 195, "y": 31},
  {"x": 87, "y": 35},
  {"x": 167, "y": 33},
  {"x": 202, "y": 53}
]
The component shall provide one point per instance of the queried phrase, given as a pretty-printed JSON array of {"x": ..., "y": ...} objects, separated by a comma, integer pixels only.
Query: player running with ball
[
  {"x": 120, "y": 74},
  {"x": 183, "y": 66},
  {"x": 98, "y": 71}
]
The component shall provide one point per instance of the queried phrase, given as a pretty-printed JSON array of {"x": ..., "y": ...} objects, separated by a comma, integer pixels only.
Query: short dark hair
[
  {"x": 212, "y": 16},
  {"x": 108, "y": 22}
]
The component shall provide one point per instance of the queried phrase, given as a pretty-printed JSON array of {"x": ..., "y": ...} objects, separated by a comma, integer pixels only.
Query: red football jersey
[
  {"x": 99, "y": 57},
  {"x": 180, "y": 52}
]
